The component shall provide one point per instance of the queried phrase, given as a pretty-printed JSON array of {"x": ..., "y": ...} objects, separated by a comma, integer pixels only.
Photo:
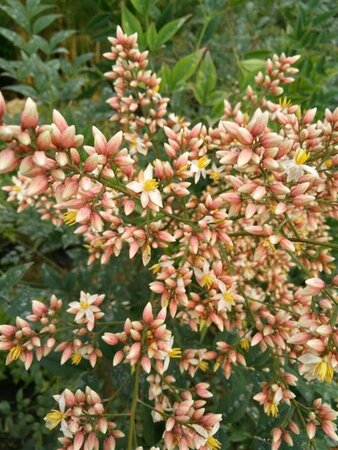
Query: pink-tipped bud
[
  {"x": 2, "y": 105},
  {"x": 8, "y": 160},
  {"x": 29, "y": 115},
  {"x": 59, "y": 120},
  {"x": 314, "y": 286},
  {"x": 311, "y": 430},
  {"x": 44, "y": 140},
  {"x": 38, "y": 186},
  {"x": 148, "y": 313},
  {"x": 309, "y": 115}
]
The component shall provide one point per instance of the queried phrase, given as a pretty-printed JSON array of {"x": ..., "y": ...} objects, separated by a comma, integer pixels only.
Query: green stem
[{"x": 132, "y": 430}]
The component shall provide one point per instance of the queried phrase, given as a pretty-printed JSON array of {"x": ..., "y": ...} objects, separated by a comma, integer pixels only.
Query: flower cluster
[
  {"x": 230, "y": 209},
  {"x": 43, "y": 331},
  {"x": 82, "y": 419}
]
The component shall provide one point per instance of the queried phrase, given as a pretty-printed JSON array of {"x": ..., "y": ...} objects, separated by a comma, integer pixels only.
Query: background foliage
[{"x": 205, "y": 52}]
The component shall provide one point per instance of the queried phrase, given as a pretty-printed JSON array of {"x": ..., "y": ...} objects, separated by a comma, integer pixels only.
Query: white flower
[
  {"x": 147, "y": 185},
  {"x": 198, "y": 167},
  {"x": 295, "y": 167},
  {"x": 55, "y": 417},
  {"x": 85, "y": 309},
  {"x": 319, "y": 367}
]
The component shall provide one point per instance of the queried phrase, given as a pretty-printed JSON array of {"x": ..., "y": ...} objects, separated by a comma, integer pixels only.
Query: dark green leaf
[
  {"x": 185, "y": 68},
  {"x": 170, "y": 29},
  {"x": 152, "y": 37},
  {"x": 130, "y": 23},
  {"x": 141, "y": 6},
  {"x": 12, "y": 276},
  {"x": 206, "y": 79},
  {"x": 11, "y": 36},
  {"x": 43, "y": 22}
]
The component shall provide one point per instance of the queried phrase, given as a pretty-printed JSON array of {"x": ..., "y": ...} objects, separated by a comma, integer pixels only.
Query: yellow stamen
[
  {"x": 229, "y": 298},
  {"x": 76, "y": 358},
  {"x": 324, "y": 371},
  {"x": 203, "y": 365},
  {"x": 301, "y": 156},
  {"x": 267, "y": 244},
  {"x": 156, "y": 89},
  {"x": 245, "y": 344},
  {"x": 272, "y": 409},
  {"x": 15, "y": 352},
  {"x": 84, "y": 304},
  {"x": 182, "y": 169},
  {"x": 203, "y": 323},
  {"x": 213, "y": 444},
  {"x": 217, "y": 365},
  {"x": 155, "y": 268},
  {"x": 207, "y": 281},
  {"x": 328, "y": 163},
  {"x": 284, "y": 102},
  {"x": 202, "y": 162},
  {"x": 175, "y": 353},
  {"x": 150, "y": 185},
  {"x": 69, "y": 218},
  {"x": 215, "y": 175},
  {"x": 53, "y": 418},
  {"x": 18, "y": 188}
]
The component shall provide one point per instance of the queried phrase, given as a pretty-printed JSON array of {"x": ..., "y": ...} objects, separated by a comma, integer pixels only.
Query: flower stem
[{"x": 132, "y": 429}]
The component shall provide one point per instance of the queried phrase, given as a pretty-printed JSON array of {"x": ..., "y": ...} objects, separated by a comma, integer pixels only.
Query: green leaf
[
  {"x": 152, "y": 37},
  {"x": 141, "y": 6},
  {"x": 170, "y": 29},
  {"x": 59, "y": 37},
  {"x": 206, "y": 79},
  {"x": 185, "y": 68},
  {"x": 130, "y": 23},
  {"x": 27, "y": 91},
  {"x": 235, "y": 403},
  {"x": 16, "y": 11},
  {"x": 11, "y": 36},
  {"x": 33, "y": 8},
  {"x": 43, "y": 22},
  {"x": 12, "y": 276},
  {"x": 165, "y": 75},
  {"x": 252, "y": 65}
]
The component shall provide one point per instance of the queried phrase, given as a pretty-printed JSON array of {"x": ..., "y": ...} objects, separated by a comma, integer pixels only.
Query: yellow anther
[
  {"x": 76, "y": 358},
  {"x": 15, "y": 352},
  {"x": 202, "y": 162},
  {"x": 301, "y": 156},
  {"x": 175, "y": 353},
  {"x": 207, "y": 281},
  {"x": 69, "y": 218},
  {"x": 203, "y": 365},
  {"x": 150, "y": 185}
]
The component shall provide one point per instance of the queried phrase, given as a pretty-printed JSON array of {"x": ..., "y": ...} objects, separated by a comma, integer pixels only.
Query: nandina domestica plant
[{"x": 221, "y": 215}]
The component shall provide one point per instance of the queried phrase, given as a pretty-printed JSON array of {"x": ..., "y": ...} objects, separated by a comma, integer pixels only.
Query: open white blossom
[{"x": 295, "y": 167}]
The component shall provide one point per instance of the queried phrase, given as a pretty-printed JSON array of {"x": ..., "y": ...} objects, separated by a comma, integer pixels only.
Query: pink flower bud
[
  {"x": 244, "y": 157},
  {"x": 38, "y": 186},
  {"x": 2, "y": 105},
  {"x": 59, "y": 120},
  {"x": 8, "y": 160},
  {"x": 44, "y": 140},
  {"x": 91, "y": 163},
  {"x": 309, "y": 116},
  {"x": 29, "y": 115}
]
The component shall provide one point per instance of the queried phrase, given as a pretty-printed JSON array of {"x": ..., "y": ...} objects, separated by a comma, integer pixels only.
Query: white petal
[
  {"x": 155, "y": 197},
  {"x": 144, "y": 199},
  {"x": 311, "y": 170},
  {"x": 134, "y": 186},
  {"x": 148, "y": 173},
  {"x": 310, "y": 358}
]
